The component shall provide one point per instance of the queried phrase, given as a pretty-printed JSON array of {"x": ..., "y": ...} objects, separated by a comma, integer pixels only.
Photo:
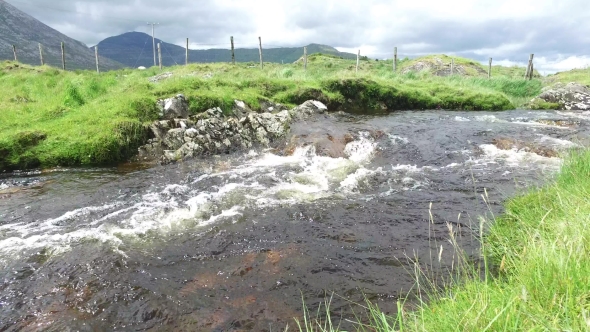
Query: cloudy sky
[{"x": 557, "y": 31}]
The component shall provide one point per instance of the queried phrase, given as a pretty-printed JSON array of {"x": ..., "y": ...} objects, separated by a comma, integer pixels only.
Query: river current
[{"x": 345, "y": 205}]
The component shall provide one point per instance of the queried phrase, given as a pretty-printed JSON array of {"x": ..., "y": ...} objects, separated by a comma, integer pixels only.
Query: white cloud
[{"x": 505, "y": 29}]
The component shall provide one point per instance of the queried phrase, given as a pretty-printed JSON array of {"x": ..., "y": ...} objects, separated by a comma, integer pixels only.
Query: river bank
[
  {"x": 232, "y": 241},
  {"x": 54, "y": 118},
  {"x": 537, "y": 267}
]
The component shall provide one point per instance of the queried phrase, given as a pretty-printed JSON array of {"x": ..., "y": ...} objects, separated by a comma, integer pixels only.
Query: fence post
[
  {"x": 395, "y": 59},
  {"x": 528, "y": 68},
  {"x": 358, "y": 60},
  {"x": 63, "y": 55},
  {"x": 160, "y": 55},
  {"x": 41, "y": 54},
  {"x": 96, "y": 56},
  {"x": 305, "y": 57},
  {"x": 233, "y": 54},
  {"x": 452, "y": 66},
  {"x": 490, "y": 69},
  {"x": 260, "y": 51},
  {"x": 186, "y": 58},
  {"x": 14, "y": 51},
  {"x": 532, "y": 71}
]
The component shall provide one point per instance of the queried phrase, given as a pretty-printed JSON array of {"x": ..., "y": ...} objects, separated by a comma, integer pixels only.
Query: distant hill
[
  {"x": 134, "y": 49},
  {"x": 26, "y": 32}
]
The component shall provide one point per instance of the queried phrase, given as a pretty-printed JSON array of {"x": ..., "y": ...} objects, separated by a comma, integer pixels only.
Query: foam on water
[
  {"x": 487, "y": 118},
  {"x": 263, "y": 180},
  {"x": 398, "y": 139},
  {"x": 461, "y": 119},
  {"x": 514, "y": 158}
]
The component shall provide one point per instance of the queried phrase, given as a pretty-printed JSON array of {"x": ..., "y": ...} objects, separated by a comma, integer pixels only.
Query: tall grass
[
  {"x": 536, "y": 267},
  {"x": 91, "y": 119}
]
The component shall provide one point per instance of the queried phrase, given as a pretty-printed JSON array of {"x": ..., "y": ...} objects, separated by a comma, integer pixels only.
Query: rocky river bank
[{"x": 179, "y": 136}]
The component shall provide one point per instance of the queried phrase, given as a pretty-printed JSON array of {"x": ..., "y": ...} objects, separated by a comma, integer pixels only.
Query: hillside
[
  {"x": 26, "y": 32},
  {"x": 80, "y": 118},
  {"x": 440, "y": 65},
  {"x": 135, "y": 49},
  {"x": 581, "y": 76}
]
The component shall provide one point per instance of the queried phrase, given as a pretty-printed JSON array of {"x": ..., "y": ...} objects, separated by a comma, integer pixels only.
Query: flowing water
[{"x": 235, "y": 242}]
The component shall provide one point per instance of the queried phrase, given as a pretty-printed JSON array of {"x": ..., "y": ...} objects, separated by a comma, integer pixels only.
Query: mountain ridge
[
  {"x": 135, "y": 49},
  {"x": 26, "y": 33}
]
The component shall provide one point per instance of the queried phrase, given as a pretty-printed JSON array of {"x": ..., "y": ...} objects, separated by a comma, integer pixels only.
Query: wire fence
[{"x": 142, "y": 53}]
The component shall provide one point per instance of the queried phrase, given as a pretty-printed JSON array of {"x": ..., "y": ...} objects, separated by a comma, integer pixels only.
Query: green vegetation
[
  {"x": 82, "y": 118},
  {"x": 581, "y": 76},
  {"x": 536, "y": 269}
]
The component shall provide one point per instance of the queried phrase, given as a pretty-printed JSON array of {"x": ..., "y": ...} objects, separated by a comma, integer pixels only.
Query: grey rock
[
  {"x": 174, "y": 139},
  {"x": 160, "y": 77},
  {"x": 173, "y": 108},
  {"x": 211, "y": 132},
  {"x": 308, "y": 109},
  {"x": 572, "y": 96},
  {"x": 160, "y": 128},
  {"x": 240, "y": 109},
  {"x": 270, "y": 107}
]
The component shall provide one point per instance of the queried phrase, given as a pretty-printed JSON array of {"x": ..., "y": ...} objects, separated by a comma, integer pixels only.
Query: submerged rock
[
  {"x": 211, "y": 132},
  {"x": 572, "y": 96},
  {"x": 504, "y": 143}
]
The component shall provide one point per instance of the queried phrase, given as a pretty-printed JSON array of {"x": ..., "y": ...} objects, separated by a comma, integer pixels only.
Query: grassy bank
[
  {"x": 540, "y": 252},
  {"x": 581, "y": 76},
  {"x": 50, "y": 117},
  {"x": 535, "y": 275}
]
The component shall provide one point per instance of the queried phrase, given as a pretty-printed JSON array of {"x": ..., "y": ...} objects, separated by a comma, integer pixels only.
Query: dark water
[{"x": 234, "y": 242}]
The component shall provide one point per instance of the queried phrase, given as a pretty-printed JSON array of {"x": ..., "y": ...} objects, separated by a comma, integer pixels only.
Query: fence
[{"x": 163, "y": 54}]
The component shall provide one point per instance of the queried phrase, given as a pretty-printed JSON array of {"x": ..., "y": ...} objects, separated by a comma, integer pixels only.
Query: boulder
[
  {"x": 571, "y": 96},
  {"x": 174, "y": 139},
  {"x": 308, "y": 109},
  {"x": 240, "y": 109},
  {"x": 172, "y": 108},
  {"x": 160, "y": 128}
]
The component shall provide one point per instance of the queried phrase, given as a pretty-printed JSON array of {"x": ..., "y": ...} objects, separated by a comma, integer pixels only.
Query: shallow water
[{"x": 234, "y": 242}]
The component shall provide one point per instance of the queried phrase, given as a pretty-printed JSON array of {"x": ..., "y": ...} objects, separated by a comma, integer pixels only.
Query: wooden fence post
[
  {"x": 233, "y": 54},
  {"x": 41, "y": 54},
  {"x": 63, "y": 55},
  {"x": 395, "y": 59},
  {"x": 532, "y": 71},
  {"x": 452, "y": 66},
  {"x": 96, "y": 56},
  {"x": 305, "y": 57},
  {"x": 160, "y": 55},
  {"x": 260, "y": 51},
  {"x": 490, "y": 69},
  {"x": 358, "y": 60},
  {"x": 14, "y": 51},
  {"x": 528, "y": 68},
  {"x": 186, "y": 58}
]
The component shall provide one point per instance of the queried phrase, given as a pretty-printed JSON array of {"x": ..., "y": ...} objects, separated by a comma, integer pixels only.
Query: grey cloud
[{"x": 207, "y": 22}]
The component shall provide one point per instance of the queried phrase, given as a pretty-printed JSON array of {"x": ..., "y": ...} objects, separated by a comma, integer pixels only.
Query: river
[{"x": 235, "y": 242}]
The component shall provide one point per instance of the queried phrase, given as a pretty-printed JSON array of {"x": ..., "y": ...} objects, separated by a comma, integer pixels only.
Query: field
[{"x": 54, "y": 118}]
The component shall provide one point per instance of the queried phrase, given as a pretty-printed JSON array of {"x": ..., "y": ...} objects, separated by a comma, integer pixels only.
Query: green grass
[
  {"x": 82, "y": 118},
  {"x": 581, "y": 76},
  {"x": 536, "y": 268}
]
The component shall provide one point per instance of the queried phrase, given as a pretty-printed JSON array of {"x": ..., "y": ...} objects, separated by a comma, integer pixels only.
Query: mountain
[
  {"x": 135, "y": 49},
  {"x": 25, "y": 32}
]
